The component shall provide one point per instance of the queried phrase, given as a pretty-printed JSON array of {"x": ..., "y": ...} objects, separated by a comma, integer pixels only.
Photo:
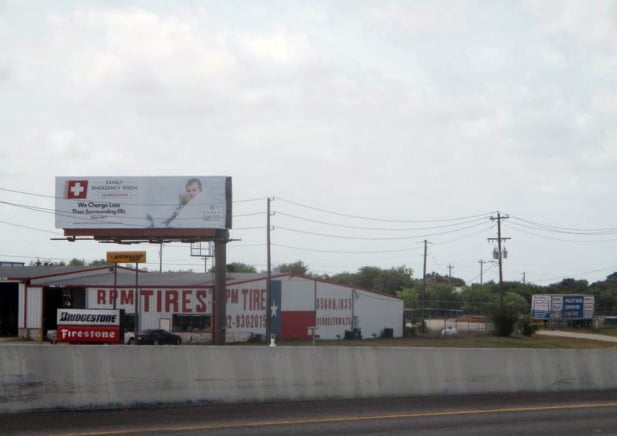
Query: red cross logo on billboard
[{"x": 76, "y": 189}]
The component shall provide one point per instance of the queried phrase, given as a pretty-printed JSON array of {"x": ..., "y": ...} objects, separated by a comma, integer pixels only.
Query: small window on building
[
  {"x": 127, "y": 321},
  {"x": 191, "y": 323}
]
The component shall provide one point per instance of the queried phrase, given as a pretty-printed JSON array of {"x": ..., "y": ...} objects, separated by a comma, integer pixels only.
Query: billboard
[
  {"x": 143, "y": 202},
  {"x": 562, "y": 306},
  {"x": 541, "y": 306},
  {"x": 126, "y": 256},
  {"x": 88, "y": 326},
  {"x": 573, "y": 306}
]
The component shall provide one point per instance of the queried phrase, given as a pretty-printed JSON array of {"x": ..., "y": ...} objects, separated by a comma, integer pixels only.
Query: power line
[
  {"x": 247, "y": 200},
  {"x": 519, "y": 228},
  {"x": 248, "y": 214},
  {"x": 347, "y": 251},
  {"x": 347, "y": 226},
  {"x": 482, "y": 271},
  {"x": 30, "y": 228},
  {"x": 464, "y": 236},
  {"x": 567, "y": 230},
  {"x": 125, "y": 219},
  {"x": 376, "y": 238},
  {"x": 608, "y": 268},
  {"x": 55, "y": 197},
  {"x": 379, "y": 219},
  {"x": 523, "y": 222},
  {"x": 461, "y": 228},
  {"x": 27, "y": 193}
]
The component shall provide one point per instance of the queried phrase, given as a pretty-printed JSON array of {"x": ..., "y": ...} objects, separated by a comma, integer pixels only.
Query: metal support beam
[{"x": 220, "y": 285}]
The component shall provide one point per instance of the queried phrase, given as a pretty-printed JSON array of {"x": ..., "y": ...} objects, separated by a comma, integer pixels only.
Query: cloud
[
  {"x": 591, "y": 23},
  {"x": 422, "y": 17},
  {"x": 408, "y": 109},
  {"x": 134, "y": 49}
]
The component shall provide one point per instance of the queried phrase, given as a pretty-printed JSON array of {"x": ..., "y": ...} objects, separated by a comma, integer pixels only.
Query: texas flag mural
[
  {"x": 275, "y": 307},
  {"x": 291, "y": 314},
  {"x": 295, "y": 305}
]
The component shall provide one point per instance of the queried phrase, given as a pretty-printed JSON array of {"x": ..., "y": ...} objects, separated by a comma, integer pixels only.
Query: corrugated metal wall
[
  {"x": 32, "y": 300},
  {"x": 303, "y": 303}
]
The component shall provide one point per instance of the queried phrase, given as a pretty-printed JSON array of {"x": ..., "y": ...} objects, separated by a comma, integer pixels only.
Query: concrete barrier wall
[{"x": 36, "y": 378}]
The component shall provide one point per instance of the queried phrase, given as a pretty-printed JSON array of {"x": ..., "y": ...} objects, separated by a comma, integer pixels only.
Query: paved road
[{"x": 513, "y": 414}]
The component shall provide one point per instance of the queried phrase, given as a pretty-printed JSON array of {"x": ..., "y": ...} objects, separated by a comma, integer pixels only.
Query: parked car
[
  {"x": 128, "y": 338},
  {"x": 156, "y": 337}
]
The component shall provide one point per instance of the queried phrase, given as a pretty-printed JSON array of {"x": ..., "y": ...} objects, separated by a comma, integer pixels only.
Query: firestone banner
[
  {"x": 88, "y": 326},
  {"x": 143, "y": 202}
]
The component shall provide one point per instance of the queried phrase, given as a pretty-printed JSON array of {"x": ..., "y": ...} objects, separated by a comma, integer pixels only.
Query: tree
[
  {"x": 344, "y": 278},
  {"x": 297, "y": 268},
  {"x": 438, "y": 278},
  {"x": 517, "y": 303},
  {"x": 605, "y": 294},
  {"x": 478, "y": 298},
  {"x": 442, "y": 296},
  {"x": 39, "y": 262},
  {"x": 569, "y": 286},
  {"x": 100, "y": 262},
  {"x": 77, "y": 262},
  {"x": 410, "y": 297},
  {"x": 394, "y": 279},
  {"x": 389, "y": 281},
  {"x": 238, "y": 267}
]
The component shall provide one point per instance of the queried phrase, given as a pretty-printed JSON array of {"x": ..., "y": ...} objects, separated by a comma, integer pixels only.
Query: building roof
[
  {"x": 30, "y": 272},
  {"x": 103, "y": 276},
  {"x": 80, "y": 276}
]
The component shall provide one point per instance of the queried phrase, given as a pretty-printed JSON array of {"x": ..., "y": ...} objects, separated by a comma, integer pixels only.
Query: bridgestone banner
[
  {"x": 88, "y": 326},
  {"x": 92, "y": 317},
  {"x": 202, "y": 202}
]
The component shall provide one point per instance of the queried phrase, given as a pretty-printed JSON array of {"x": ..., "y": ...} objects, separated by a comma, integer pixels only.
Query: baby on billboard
[{"x": 173, "y": 218}]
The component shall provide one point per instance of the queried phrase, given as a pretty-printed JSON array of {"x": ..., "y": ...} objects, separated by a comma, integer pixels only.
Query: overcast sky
[{"x": 373, "y": 125}]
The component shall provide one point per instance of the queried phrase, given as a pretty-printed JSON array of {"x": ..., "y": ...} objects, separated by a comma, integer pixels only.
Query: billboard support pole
[
  {"x": 115, "y": 284},
  {"x": 136, "y": 299},
  {"x": 220, "y": 303},
  {"x": 269, "y": 274}
]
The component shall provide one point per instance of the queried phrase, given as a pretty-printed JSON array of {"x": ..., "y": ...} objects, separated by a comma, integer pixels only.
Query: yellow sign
[{"x": 126, "y": 256}]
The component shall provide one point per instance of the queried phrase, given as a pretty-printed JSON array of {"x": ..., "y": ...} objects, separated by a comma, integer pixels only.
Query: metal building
[{"x": 183, "y": 303}]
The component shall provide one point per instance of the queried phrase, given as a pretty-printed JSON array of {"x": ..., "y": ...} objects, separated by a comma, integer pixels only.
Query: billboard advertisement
[
  {"x": 562, "y": 307},
  {"x": 573, "y": 306},
  {"x": 541, "y": 306},
  {"x": 588, "y": 306},
  {"x": 88, "y": 326},
  {"x": 143, "y": 202}
]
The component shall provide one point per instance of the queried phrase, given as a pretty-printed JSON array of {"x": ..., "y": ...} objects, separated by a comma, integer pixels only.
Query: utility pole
[
  {"x": 424, "y": 281},
  {"x": 450, "y": 267},
  {"x": 499, "y": 254},
  {"x": 269, "y": 276},
  {"x": 481, "y": 262}
]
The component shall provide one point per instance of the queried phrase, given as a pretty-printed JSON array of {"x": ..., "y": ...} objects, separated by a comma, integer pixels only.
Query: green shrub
[
  {"x": 504, "y": 319},
  {"x": 526, "y": 326}
]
